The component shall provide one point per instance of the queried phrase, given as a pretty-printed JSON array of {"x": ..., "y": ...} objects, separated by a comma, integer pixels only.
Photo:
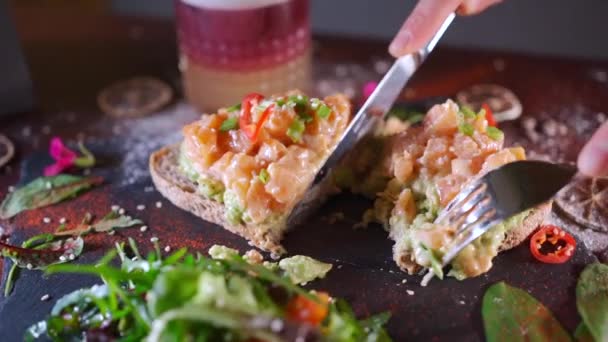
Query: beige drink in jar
[{"x": 229, "y": 48}]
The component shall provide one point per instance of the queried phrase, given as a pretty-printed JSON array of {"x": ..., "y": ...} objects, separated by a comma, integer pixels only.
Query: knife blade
[{"x": 375, "y": 108}]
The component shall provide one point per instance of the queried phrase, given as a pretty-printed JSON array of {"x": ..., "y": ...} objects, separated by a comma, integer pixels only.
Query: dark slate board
[{"x": 364, "y": 272}]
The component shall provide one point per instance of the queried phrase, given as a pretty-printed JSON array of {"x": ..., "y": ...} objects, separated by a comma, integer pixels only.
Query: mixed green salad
[{"x": 190, "y": 297}]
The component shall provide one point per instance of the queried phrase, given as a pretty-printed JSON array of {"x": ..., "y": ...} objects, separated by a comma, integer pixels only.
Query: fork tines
[{"x": 473, "y": 212}]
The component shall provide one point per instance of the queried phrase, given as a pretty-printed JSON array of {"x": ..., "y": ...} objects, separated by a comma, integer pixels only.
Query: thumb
[
  {"x": 421, "y": 25},
  {"x": 593, "y": 159}
]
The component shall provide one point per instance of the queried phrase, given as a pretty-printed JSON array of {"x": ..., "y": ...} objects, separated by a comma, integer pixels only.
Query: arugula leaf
[
  {"x": 31, "y": 258},
  {"x": 509, "y": 311},
  {"x": 592, "y": 299},
  {"x": 111, "y": 221},
  {"x": 45, "y": 191},
  {"x": 582, "y": 334}
]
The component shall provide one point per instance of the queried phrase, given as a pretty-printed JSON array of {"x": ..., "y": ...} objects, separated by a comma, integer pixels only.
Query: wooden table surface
[{"x": 73, "y": 54}]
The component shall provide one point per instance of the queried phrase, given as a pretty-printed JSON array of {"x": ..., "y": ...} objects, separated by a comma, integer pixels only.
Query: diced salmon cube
[{"x": 442, "y": 119}]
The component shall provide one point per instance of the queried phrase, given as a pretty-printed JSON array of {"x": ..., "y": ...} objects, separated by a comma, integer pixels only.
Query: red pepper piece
[
  {"x": 489, "y": 115},
  {"x": 305, "y": 310},
  {"x": 561, "y": 245}
]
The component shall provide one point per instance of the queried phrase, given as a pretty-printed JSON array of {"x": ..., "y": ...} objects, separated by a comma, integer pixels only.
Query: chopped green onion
[
  {"x": 234, "y": 108},
  {"x": 307, "y": 118},
  {"x": 299, "y": 100},
  {"x": 323, "y": 111},
  {"x": 466, "y": 129},
  {"x": 229, "y": 124},
  {"x": 494, "y": 133},
  {"x": 415, "y": 118},
  {"x": 467, "y": 112},
  {"x": 264, "y": 176},
  {"x": 281, "y": 101},
  {"x": 296, "y": 129}
]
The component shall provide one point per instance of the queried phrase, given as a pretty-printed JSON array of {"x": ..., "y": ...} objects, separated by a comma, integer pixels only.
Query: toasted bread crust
[
  {"x": 513, "y": 238},
  {"x": 178, "y": 189}
]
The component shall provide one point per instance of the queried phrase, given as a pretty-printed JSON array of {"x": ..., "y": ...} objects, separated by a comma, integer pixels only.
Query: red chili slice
[
  {"x": 489, "y": 115},
  {"x": 552, "y": 245},
  {"x": 252, "y": 129}
]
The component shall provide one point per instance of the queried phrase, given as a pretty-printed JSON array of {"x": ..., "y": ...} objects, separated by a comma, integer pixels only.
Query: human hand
[
  {"x": 593, "y": 159},
  {"x": 425, "y": 20}
]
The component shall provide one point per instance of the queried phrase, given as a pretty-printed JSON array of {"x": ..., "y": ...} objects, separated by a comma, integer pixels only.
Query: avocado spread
[{"x": 426, "y": 240}]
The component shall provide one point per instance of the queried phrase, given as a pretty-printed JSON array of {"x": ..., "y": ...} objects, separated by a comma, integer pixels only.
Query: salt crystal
[
  {"x": 62, "y": 258},
  {"x": 121, "y": 211},
  {"x": 159, "y": 204},
  {"x": 11, "y": 188},
  {"x": 46, "y": 220},
  {"x": 62, "y": 220},
  {"x": 48, "y": 185},
  {"x": 141, "y": 207},
  {"x": 29, "y": 266},
  {"x": 404, "y": 281},
  {"x": 71, "y": 256},
  {"x": 115, "y": 208},
  {"x": 167, "y": 249},
  {"x": 26, "y": 131},
  {"x": 154, "y": 239},
  {"x": 410, "y": 292},
  {"x": 143, "y": 228},
  {"x": 45, "y": 297}
]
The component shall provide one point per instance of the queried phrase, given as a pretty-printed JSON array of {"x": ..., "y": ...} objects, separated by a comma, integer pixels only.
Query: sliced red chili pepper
[
  {"x": 551, "y": 244},
  {"x": 304, "y": 310},
  {"x": 252, "y": 129},
  {"x": 489, "y": 115}
]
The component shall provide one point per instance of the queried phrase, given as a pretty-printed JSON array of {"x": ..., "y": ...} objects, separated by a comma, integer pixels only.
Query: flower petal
[{"x": 59, "y": 151}]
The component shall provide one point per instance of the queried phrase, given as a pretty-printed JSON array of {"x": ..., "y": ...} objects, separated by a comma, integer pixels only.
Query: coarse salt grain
[
  {"x": 62, "y": 220},
  {"x": 46, "y": 220},
  {"x": 167, "y": 249},
  {"x": 121, "y": 211},
  {"x": 149, "y": 189},
  {"x": 461, "y": 302},
  {"x": 72, "y": 256},
  {"x": 159, "y": 204},
  {"x": 410, "y": 292},
  {"x": 11, "y": 188},
  {"x": 404, "y": 281},
  {"x": 29, "y": 266},
  {"x": 143, "y": 228},
  {"x": 141, "y": 207},
  {"x": 62, "y": 258},
  {"x": 111, "y": 232},
  {"x": 48, "y": 185},
  {"x": 115, "y": 208},
  {"x": 154, "y": 239},
  {"x": 45, "y": 297}
]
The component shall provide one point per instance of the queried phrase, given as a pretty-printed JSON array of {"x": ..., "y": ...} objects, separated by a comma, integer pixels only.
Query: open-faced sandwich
[
  {"x": 422, "y": 170},
  {"x": 247, "y": 166}
]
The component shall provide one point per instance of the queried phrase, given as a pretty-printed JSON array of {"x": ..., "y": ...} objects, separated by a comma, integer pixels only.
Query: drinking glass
[{"x": 229, "y": 48}]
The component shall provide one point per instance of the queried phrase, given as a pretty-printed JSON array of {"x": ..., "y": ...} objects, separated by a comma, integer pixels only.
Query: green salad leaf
[
  {"x": 582, "y": 334},
  {"x": 512, "y": 314},
  {"x": 301, "y": 269},
  {"x": 187, "y": 297},
  {"x": 592, "y": 300},
  {"x": 45, "y": 191}
]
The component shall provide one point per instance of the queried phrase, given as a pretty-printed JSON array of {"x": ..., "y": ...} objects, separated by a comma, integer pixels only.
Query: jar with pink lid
[{"x": 229, "y": 48}]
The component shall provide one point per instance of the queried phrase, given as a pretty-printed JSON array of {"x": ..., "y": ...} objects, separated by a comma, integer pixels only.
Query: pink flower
[
  {"x": 368, "y": 89},
  {"x": 66, "y": 158}
]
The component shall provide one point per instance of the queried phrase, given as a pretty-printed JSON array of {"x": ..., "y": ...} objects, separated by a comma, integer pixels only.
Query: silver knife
[{"x": 375, "y": 108}]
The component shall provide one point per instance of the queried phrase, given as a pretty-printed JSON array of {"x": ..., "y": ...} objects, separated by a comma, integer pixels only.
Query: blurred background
[{"x": 576, "y": 28}]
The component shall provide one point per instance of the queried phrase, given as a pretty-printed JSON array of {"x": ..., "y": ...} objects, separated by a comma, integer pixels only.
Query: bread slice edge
[{"x": 179, "y": 190}]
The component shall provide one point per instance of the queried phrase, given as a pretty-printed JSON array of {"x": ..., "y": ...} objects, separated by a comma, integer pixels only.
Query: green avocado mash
[{"x": 475, "y": 259}]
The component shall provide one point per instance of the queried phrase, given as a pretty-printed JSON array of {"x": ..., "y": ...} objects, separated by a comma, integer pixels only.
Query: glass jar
[{"x": 229, "y": 48}]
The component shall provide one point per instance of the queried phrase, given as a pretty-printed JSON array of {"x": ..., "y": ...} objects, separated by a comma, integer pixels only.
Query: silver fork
[{"x": 498, "y": 195}]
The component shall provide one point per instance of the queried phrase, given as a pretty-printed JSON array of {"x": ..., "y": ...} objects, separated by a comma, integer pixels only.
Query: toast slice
[
  {"x": 424, "y": 168},
  {"x": 171, "y": 182},
  {"x": 270, "y": 173}
]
